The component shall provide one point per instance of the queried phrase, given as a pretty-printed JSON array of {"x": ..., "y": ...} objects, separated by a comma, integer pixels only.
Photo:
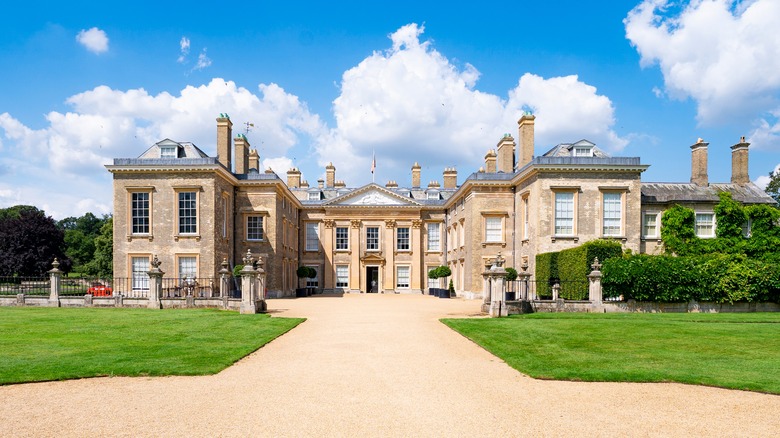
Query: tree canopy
[
  {"x": 773, "y": 188},
  {"x": 29, "y": 242}
]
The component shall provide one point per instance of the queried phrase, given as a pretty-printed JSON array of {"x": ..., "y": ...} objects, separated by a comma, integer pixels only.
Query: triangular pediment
[{"x": 372, "y": 195}]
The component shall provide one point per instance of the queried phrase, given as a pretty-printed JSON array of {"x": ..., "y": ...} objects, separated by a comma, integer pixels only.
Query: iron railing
[{"x": 25, "y": 285}]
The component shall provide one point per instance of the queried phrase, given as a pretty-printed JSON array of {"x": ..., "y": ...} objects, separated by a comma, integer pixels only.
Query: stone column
[
  {"x": 594, "y": 283},
  {"x": 248, "y": 285},
  {"x": 555, "y": 291},
  {"x": 354, "y": 249},
  {"x": 327, "y": 249},
  {"x": 260, "y": 286},
  {"x": 155, "y": 284},
  {"x": 390, "y": 250},
  {"x": 224, "y": 283},
  {"x": 418, "y": 271},
  {"x": 498, "y": 289},
  {"x": 55, "y": 275},
  {"x": 524, "y": 278}
]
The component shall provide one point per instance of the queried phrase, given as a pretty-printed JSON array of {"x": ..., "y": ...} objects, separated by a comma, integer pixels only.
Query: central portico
[{"x": 371, "y": 239}]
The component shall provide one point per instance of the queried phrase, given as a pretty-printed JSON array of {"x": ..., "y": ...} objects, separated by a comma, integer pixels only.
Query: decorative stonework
[
  {"x": 389, "y": 223},
  {"x": 416, "y": 223},
  {"x": 329, "y": 223},
  {"x": 355, "y": 223}
]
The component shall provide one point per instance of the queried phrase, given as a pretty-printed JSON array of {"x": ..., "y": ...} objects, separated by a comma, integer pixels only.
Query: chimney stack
[
  {"x": 224, "y": 134},
  {"x": 242, "y": 154},
  {"x": 450, "y": 177},
  {"x": 433, "y": 185},
  {"x": 526, "y": 131},
  {"x": 739, "y": 162},
  {"x": 294, "y": 178},
  {"x": 490, "y": 161},
  {"x": 506, "y": 154},
  {"x": 254, "y": 160},
  {"x": 321, "y": 183},
  {"x": 304, "y": 184},
  {"x": 340, "y": 184},
  {"x": 699, "y": 163},
  {"x": 391, "y": 184},
  {"x": 415, "y": 175},
  {"x": 330, "y": 175}
]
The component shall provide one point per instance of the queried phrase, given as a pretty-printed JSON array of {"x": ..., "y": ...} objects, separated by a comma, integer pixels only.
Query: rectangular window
[
  {"x": 434, "y": 237},
  {"x": 747, "y": 228},
  {"x": 583, "y": 152},
  {"x": 650, "y": 225},
  {"x": 564, "y": 213},
  {"x": 254, "y": 228},
  {"x": 493, "y": 231},
  {"x": 342, "y": 238},
  {"x": 705, "y": 225},
  {"x": 314, "y": 282},
  {"x": 613, "y": 215},
  {"x": 224, "y": 216},
  {"x": 526, "y": 217},
  {"x": 402, "y": 238},
  {"x": 168, "y": 152},
  {"x": 372, "y": 238},
  {"x": 140, "y": 212},
  {"x": 402, "y": 277},
  {"x": 314, "y": 196},
  {"x": 188, "y": 216},
  {"x": 140, "y": 267},
  {"x": 312, "y": 236},
  {"x": 188, "y": 267},
  {"x": 342, "y": 275}
]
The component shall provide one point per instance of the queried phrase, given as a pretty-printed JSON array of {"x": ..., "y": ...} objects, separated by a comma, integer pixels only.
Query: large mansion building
[{"x": 193, "y": 211}]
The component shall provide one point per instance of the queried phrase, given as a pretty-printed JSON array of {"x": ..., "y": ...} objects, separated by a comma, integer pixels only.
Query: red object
[{"x": 100, "y": 291}]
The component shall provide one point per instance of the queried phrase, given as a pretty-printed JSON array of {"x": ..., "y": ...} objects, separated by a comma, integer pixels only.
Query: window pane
[
  {"x": 188, "y": 267},
  {"x": 402, "y": 276},
  {"x": 372, "y": 238},
  {"x": 434, "y": 239},
  {"x": 402, "y": 238},
  {"x": 254, "y": 228},
  {"x": 342, "y": 238},
  {"x": 432, "y": 282},
  {"x": 140, "y": 212},
  {"x": 705, "y": 225},
  {"x": 342, "y": 275},
  {"x": 564, "y": 214},
  {"x": 612, "y": 214},
  {"x": 313, "y": 282},
  {"x": 140, "y": 266},
  {"x": 187, "y": 213},
  {"x": 312, "y": 236},
  {"x": 649, "y": 229},
  {"x": 493, "y": 229},
  {"x": 168, "y": 152}
]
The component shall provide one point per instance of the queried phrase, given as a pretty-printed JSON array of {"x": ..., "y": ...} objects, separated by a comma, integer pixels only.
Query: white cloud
[
  {"x": 410, "y": 103},
  {"x": 723, "y": 54},
  {"x": 763, "y": 180},
  {"x": 279, "y": 165},
  {"x": 184, "y": 50},
  {"x": 95, "y": 40},
  {"x": 203, "y": 61}
]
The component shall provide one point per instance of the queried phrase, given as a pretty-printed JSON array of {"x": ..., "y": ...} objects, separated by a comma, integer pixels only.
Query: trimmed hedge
[
  {"x": 571, "y": 267},
  {"x": 720, "y": 278}
]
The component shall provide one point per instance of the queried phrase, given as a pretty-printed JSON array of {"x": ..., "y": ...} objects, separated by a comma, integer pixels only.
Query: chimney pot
[
  {"x": 224, "y": 135},
  {"x": 739, "y": 162},
  {"x": 699, "y": 163}
]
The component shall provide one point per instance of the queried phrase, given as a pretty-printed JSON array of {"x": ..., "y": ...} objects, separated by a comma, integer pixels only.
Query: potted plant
[
  {"x": 444, "y": 272},
  {"x": 511, "y": 275},
  {"x": 303, "y": 272}
]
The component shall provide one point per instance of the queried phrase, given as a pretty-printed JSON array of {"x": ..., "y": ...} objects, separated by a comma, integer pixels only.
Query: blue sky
[{"x": 84, "y": 83}]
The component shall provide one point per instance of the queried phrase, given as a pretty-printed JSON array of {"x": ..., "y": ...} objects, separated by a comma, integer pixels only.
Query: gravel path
[{"x": 377, "y": 365}]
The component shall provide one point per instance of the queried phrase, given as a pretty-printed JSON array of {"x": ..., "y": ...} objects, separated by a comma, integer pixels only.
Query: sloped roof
[
  {"x": 564, "y": 149},
  {"x": 664, "y": 193}
]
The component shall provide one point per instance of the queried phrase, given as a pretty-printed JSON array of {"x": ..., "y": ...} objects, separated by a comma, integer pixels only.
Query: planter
[
  {"x": 444, "y": 293},
  {"x": 510, "y": 296},
  {"x": 300, "y": 292}
]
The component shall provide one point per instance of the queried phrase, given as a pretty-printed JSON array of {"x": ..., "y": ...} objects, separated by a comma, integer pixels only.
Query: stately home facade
[{"x": 193, "y": 211}]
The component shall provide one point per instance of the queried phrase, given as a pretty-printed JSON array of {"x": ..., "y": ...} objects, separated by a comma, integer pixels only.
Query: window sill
[
  {"x": 432, "y": 252},
  {"x": 176, "y": 237},
  {"x": 651, "y": 238},
  {"x": 573, "y": 238},
  {"x": 623, "y": 239},
  {"x": 130, "y": 237},
  {"x": 486, "y": 244}
]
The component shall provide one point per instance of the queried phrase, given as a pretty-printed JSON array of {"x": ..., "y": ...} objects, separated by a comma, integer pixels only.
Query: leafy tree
[
  {"x": 29, "y": 242},
  {"x": 102, "y": 263},
  {"x": 80, "y": 235},
  {"x": 511, "y": 274},
  {"x": 773, "y": 188}
]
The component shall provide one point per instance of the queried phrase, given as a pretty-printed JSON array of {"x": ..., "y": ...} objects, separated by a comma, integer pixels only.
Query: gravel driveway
[{"x": 377, "y": 365}]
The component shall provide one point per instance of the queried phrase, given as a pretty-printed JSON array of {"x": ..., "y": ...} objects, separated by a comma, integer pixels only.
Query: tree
[
  {"x": 29, "y": 242},
  {"x": 773, "y": 188},
  {"x": 102, "y": 263},
  {"x": 80, "y": 235},
  {"x": 511, "y": 274}
]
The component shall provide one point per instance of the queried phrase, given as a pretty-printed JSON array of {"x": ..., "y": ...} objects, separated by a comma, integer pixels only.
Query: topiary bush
[{"x": 571, "y": 267}]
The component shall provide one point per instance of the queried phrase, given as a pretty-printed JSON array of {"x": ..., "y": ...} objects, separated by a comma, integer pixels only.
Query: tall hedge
[
  {"x": 571, "y": 267},
  {"x": 720, "y": 278}
]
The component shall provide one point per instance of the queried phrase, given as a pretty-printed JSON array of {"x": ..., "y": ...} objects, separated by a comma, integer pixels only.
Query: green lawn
[
  {"x": 740, "y": 351},
  {"x": 54, "y": 343}
]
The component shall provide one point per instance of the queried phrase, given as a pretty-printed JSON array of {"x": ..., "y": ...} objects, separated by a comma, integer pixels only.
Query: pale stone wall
[{"x": 164, "y": 239}]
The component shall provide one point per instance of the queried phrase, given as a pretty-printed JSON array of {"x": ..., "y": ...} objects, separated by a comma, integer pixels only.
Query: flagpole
[{"x": 373, "y": 166}]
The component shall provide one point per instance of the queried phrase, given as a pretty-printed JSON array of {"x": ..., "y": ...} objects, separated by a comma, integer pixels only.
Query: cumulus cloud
[
  {"x": 410, "y": 103},
  {"x": 723, "y": 54},
  {"x": 94, "y": 40},
  {"x": 763, "y": 180},
  {"x": 105, "y": 123}
]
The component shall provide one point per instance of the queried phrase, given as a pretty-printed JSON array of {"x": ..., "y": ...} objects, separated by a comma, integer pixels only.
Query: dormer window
[
  {"x": 168, "y": 152},
  {"x": 433, "y": 195},
  {"x": 314, "y": 196},
  {"x": 582, "y": 151}
]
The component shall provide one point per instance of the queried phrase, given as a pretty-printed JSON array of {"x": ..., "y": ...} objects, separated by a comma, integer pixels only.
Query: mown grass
[
  {"x": 739, "y": 351},
  {"x": 39, "y": 344}
]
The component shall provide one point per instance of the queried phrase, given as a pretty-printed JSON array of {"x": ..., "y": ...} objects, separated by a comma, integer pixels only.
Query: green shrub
[
  {"x": 571, "y": 267},
  {"x": 546, "y": 270},
  {"x": 237, "y": 270},
  {"x": 511, "y": 274}
]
